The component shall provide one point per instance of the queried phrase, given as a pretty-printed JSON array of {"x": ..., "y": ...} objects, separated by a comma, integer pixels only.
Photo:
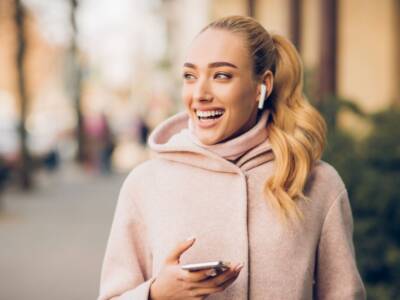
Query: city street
[{"x": 53, "y": 238}]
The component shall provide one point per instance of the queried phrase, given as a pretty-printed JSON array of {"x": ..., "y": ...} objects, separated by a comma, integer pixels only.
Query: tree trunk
[
  {"x": 327, "y": 73},
  {"x": 77, "y": 85},
  {"x": 26, "y": 163},
  {"x": 295, "y": 22},
  {"x": 251, "y": 6}
]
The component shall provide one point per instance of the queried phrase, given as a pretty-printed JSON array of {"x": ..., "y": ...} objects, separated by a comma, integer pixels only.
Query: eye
[
  {"x": 221, "y": 75},
  {"x": 188, "y": 76}
]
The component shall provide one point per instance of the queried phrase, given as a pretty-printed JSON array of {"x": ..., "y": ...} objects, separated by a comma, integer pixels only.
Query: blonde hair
[{"x": 297, "y": 131}]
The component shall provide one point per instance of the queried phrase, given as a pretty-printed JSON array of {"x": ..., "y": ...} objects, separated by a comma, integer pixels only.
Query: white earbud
[{"x": 262, "y": 96}]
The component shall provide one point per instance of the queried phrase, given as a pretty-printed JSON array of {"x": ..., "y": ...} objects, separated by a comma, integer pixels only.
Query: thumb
[{"x": 174, "y": 256}]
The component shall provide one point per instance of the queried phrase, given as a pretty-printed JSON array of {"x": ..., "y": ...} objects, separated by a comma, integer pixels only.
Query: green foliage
[{"x": 370, "y": 169}]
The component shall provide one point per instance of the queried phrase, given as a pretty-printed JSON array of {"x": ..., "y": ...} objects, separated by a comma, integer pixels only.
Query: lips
[{"x": 208, "y": 118}]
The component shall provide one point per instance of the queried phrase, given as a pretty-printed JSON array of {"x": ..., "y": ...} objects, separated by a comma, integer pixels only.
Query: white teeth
[{"x": 205, "y": 114}]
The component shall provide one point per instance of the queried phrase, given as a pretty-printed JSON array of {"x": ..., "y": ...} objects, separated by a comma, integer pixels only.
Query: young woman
[{"x": 240, "y": 171}]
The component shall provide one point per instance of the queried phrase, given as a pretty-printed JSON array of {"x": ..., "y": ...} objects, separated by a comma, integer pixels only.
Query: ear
[{"x": 268, "y": 80}]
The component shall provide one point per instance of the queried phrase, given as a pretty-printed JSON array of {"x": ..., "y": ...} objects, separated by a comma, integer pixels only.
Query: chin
[{"x": 208, "y": 140}]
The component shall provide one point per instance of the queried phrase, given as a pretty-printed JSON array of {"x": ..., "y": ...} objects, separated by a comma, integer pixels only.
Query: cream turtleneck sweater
[{"x": 234, "y": 148}]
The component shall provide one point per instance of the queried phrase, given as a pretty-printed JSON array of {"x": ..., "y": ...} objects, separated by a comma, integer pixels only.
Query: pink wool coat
[{"x": 186, "y": 190}]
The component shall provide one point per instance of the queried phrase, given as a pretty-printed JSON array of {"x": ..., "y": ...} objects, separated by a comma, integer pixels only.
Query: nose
[{"x": 202, "y": 91}]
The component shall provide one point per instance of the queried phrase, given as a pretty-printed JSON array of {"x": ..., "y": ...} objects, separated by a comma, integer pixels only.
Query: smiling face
[{"x": 219, "y": 90}]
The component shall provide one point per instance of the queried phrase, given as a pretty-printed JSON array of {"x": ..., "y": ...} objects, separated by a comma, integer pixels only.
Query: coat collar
[{"x": 171, "y": 140}]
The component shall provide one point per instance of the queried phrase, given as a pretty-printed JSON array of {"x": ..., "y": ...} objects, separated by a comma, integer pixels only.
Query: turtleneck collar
[{"x": 234, "y": 148}]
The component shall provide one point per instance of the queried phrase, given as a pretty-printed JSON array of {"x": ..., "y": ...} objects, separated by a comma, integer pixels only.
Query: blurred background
[{"x": 83, "y": 82}]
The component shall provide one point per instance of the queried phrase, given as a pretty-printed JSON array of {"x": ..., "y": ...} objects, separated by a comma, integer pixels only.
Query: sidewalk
[{"x": 53, "y": 239}]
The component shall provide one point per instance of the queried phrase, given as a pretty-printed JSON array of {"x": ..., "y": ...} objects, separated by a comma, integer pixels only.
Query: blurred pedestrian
[
  {"x": 239, "y": 170},
  {"x": 4, "y": 173},
  {"x": 99, "y": 143}
]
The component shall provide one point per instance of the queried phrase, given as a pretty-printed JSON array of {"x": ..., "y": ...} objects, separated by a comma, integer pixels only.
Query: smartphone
[{"x": 218, "y": 266}]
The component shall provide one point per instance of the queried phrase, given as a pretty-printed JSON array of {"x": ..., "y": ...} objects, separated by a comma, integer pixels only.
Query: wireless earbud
[{"x": 262, "y": 96}]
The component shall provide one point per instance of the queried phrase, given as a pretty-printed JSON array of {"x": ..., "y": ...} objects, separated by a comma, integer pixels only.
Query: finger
[
  {"x": 221, "y": 278},
  {"x": 176, "y": 253},
  {"x": 201, "y": 275},
  {"x": 212, "y": 290},
  {"x": 230, "y": 281}
]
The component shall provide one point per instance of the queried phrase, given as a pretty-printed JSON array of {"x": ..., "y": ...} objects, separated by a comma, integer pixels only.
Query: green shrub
[{"x": 370, "y": 169}]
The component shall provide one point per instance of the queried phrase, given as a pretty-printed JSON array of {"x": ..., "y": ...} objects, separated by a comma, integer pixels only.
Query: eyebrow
[{"x": 212, "y": 65}]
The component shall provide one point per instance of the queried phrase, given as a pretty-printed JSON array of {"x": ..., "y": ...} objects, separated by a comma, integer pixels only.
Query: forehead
[{"x": 215, "y": 45}]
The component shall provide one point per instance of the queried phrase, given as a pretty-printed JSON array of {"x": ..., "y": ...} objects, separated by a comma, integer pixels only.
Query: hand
[{"x": 173, "y": 283}]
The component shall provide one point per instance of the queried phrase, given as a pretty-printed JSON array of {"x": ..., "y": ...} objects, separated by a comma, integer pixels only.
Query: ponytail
[{"x": 296, "y": 132}]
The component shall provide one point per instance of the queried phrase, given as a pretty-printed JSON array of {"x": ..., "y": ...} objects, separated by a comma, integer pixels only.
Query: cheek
[
  {"x": 186, "y": 95},
  {"x": 241, "y": 105},
  {"x": 240, "y": 100}
]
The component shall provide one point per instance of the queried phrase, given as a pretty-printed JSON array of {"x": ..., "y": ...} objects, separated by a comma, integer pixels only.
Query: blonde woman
[{"x": 240, "y": 172}]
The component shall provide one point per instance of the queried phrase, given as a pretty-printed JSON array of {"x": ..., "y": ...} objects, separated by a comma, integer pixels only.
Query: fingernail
[
  {"x": 211, "y": 273},
  {"x": 191, "y": 239},
  {"x": 239, "y": 267}
]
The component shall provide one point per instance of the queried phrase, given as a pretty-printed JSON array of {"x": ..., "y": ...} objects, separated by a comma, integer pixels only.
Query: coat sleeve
[
  {"x": 337, "y": 276},
  {"x": 126, "y": 267}
]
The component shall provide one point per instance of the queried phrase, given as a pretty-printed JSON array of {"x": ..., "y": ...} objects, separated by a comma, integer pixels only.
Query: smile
[
  {"x": 209, "y": 114},
  {"x": 209, "y": 118}
]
